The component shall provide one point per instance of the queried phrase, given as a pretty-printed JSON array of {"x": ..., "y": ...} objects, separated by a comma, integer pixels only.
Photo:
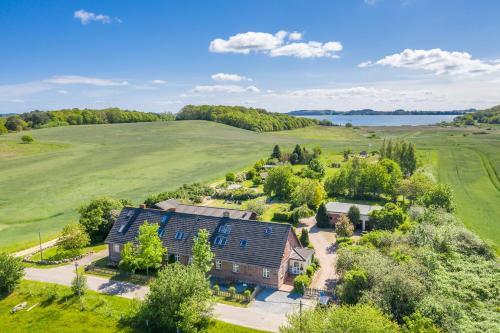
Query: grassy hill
[{"x": 42, "y": 184}]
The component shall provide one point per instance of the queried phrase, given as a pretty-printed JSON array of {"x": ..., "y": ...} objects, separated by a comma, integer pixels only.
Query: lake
[{"x": 386, "y": 120}]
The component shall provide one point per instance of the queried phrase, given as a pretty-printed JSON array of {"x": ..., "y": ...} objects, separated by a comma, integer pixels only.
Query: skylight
[
  {"x": 243, "y": 243},
  {"x": 221, "y": 241},
  {"x": 122, "y": 227},
  {"x": 225, "y": 229},
  {"x": 179, "y": 235},
  {"x": 268, "y": 231}
]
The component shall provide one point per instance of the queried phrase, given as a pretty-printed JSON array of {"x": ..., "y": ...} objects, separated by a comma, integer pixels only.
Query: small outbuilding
[{"x": 337, "y": 209}]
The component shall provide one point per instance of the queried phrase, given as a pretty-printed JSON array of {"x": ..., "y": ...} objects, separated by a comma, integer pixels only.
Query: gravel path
[{"x": 323, "y": 241}]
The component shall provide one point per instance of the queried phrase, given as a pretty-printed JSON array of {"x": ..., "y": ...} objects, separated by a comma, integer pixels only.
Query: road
[
  {"x": 34, "y": 249},
  {"x": 323, "y": 241},
  {"x": 267, "y": 312}
]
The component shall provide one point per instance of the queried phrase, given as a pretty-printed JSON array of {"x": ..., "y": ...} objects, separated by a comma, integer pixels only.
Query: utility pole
[
  {"x": 40, "y": 240},
  {"x": 77, "y": 279},
  {"x": 300, "y": 314}
]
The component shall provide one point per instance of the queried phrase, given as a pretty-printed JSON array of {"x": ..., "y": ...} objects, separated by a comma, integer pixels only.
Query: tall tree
[
  {"x": 309, "y": 192},
  {"x": 280, "y": 182},
  {"x": 98, "y": 216},
  {"x": 354, "y": 215},
  {"x": 322, "y": 219},
  {"x": 276, "y": 152},
  {"x": 150, "y": 250},
  {"x": 73, "y": 237},
  {"x": 202, "y": 254}
]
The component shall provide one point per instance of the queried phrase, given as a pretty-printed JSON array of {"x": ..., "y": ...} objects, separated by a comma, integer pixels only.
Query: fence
[
  {"x": 235, "y": 296},
  {"x": 315, "y": 292},
  {"x": 134, "y": 278}
]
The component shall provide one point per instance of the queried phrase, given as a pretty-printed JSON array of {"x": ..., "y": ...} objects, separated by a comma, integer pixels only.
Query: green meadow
[{"x": 42, "y": 184}]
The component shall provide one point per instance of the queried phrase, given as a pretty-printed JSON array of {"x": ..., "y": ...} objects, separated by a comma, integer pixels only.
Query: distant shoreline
[{"x": 369, "y": 112}]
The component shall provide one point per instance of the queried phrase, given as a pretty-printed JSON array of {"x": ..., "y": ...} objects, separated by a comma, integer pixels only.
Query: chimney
[
  {"x": 225, "y": 214},
  {"x": 142, "y": 206}
]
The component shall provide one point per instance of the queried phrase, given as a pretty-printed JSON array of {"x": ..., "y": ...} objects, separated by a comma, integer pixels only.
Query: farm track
[{"x": 490, "y": 170}]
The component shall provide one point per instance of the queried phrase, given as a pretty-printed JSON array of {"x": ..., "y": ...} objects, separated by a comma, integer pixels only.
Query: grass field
[
  {"x": 59, "y": 311},
  {"x": 42, "y": 184}
]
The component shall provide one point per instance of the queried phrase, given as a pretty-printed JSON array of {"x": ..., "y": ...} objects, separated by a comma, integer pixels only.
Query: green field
[
  {"x": 63, "y": 313},
  {"x": 42, "y": 184}
]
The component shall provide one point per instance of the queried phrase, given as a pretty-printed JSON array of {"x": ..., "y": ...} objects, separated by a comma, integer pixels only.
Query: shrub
[
  {"x": 241, "y": 194},
  {"x": 250, "y": 174},
  {"x": 247, "y": 293},
  {"x": 258, "y": 206},
  {"x": 344, "y": 241},
  {"x": 230, "y": 177},
  {"x": 282, "y": 216},
  {"x": 73, "y": 237},
  {"x": 11, "y": 272},
  {"x": 304, "y": 237},
  {"x": 353, "y": 215},
  {"x": 27, "y": 139},
  {"x": 97, "y": 217},
  {"x": 216, "y": 288},
  {"x": 354, "y": 282},
  {"x": 387, "y": 218},
  {"x": 310, "y": 271},
  {"x": 79, "y": 284},
  {"x": 301, "y": 212},
  {"x": 301, "y": 282},
  {"x": 343, "y": 227},
  {"x": 232, "y": 291}
]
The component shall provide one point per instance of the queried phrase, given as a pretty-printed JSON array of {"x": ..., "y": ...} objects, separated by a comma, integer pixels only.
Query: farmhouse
[
  {"x": 263, "y": 253},
  {"x": 175, "y": 206},
  {"x": 337, "y": 209}
]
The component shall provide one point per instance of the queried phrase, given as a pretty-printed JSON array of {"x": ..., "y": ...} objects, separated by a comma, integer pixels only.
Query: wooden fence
[
  {"x": 235, "y": 296},
  {"x": 316, "y": 292}
]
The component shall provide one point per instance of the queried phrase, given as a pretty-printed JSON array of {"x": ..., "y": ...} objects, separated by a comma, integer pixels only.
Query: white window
[
  {"x": 116, "y": 248},
  {"x": 218, "y": 264},
  {"x": 236, "y": 268},
  {"x": 266, "y": 273},
  {"x": 177, "y": 258}
]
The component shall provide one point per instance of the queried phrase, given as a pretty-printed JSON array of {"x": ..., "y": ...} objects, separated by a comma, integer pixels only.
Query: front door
[{"x": 295, "y": 268}]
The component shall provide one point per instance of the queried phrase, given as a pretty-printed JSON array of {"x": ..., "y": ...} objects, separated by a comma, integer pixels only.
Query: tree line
[
  {"x": 41, "y": 119},
  {"x": 487, "y": 116},
  {"x": 258, "y": 120}
]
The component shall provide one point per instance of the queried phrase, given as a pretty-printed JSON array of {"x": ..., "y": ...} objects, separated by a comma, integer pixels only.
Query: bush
[
  {"x": 282, "y": 216},
  {"x": 301, "y": 212},
  {"x": 301, "y": 282},
  {"x": 343, "y": 227},
  {"x": 387, "y": 218},
  {"x": 354, "y": 215},
  {"x": 304, "y": 237},
  {"x": 344, "y": 241},
  {"x": 230, "y": 177},
  {"x": 27, "y": 139},
  {"x": 258, "y": 206},
  {"x": 250, "y": 174},
  {"x": 97, "y": 217},
  {"x": 216, "y": 288},
  {"x": 310, "y": 271},
  {"x": 11, "y": 272},
  {"x": 73, "y": 237},
  {"x": 247, "y": 293},
  {"x": 232, "y": 291},
  {"x": 354, "y": 282},
  {"x": 79, "y": 284}
]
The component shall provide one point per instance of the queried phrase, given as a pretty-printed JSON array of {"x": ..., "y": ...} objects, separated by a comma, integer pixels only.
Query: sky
[{"x": 279, "y": 55}]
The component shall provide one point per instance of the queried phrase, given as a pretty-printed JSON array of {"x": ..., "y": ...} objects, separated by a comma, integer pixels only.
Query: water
[{"x": 386, "y": 120}]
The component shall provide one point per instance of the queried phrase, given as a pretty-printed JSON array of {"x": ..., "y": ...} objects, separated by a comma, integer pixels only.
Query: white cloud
[
  {"x": 295, "y": 35},
  {"x": 225, "y": 89},
  {"x": 75, "y": 79},
  {"x": 437, "y": 61},
  {"x": 158, "y": 82},
  {"x": 308, "y": 50},
  {"x": 280, "y": 44},
  {"x": 63, "y": 92},
  {"x": 86, "y": 17},
  {"x": 229, "y": 77}
]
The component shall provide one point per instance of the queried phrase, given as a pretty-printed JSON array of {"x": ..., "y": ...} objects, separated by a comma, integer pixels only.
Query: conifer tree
[
  {"x": 276, "y": 152},
  {"x": 322, "y": 219}
]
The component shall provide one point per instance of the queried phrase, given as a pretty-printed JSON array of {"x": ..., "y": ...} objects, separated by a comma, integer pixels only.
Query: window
[
  {"x": 130, "y": 213},
  {"x": 225, "y": 229},
  {"x": 236, "y": 268},
  {"x": 266, "y": 273},
  {"x": 116, "y": 248},
  {"x": 221, "y": 241},
  {"x": 177, "y": 257},
  {"x": 243, "y": 243},
  {"x": 179, "y": 235},
  {"x": 218, "y": 264},
  {"x": 122, "y": 227},
  {"x": 268, "y": 231}
]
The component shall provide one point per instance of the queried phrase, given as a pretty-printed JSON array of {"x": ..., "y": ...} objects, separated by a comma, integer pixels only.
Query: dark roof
[
  {"x": 261, "y": 248},
  {"x": 301, "y": 253},
  {"x": 173, "y": 204}
]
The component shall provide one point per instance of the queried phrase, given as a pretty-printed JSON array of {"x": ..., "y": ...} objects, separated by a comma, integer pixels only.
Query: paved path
[
  {"x": 267, "y": 312},
  {"x": 323, "y": 241},
  {"x": 34, "y": 249}
]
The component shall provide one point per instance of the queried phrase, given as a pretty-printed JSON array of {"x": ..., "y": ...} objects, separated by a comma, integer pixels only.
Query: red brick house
[{"x": 262, "y": 253}]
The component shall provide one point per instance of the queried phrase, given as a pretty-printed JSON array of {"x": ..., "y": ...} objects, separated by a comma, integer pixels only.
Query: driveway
[
  {"x": 323, "y": 241},
  {"x": 268, "y": 311}
]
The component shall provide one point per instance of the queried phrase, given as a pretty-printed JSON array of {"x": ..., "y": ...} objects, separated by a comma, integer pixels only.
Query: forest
[{"x": 258, "y": 120}]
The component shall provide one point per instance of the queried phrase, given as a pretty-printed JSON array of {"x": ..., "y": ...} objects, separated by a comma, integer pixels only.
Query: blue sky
[{"x": 280, "y": 55}]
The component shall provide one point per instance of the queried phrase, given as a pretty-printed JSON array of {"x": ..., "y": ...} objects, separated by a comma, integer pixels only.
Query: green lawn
[
  {"x": 62, "y": 312},
  {"x": 44, "y": 183}
]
